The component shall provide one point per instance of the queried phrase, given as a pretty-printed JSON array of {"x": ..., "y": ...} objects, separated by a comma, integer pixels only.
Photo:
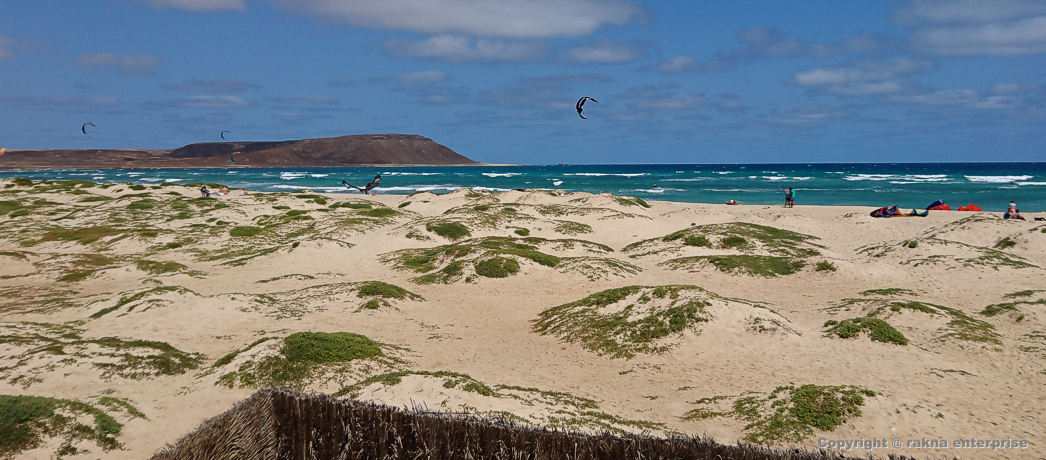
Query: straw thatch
[{"x": 279, "y": 424}]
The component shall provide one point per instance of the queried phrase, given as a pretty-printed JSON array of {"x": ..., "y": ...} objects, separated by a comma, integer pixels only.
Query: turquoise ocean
[{"x": 908, "y": 185}]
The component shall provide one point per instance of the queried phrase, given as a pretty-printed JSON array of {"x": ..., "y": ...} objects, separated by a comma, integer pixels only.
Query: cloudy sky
[{"x": 496, "y": 80}]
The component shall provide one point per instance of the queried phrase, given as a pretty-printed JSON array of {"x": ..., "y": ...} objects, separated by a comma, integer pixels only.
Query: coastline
[{"x": 158, "y": 263}]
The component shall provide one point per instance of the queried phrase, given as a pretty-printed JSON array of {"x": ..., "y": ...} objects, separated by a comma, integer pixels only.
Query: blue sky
[{"x": 496, "y": 80}]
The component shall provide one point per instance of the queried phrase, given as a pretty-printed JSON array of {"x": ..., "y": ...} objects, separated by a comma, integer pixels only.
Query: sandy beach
[{"x": 161, "y": 309}]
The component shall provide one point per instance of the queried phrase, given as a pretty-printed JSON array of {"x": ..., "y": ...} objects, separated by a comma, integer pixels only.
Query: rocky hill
[{"x": 363, "y": 149}]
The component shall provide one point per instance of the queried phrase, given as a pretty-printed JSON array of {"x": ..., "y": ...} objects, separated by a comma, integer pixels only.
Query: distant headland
[{"x": 355, "y": 150}]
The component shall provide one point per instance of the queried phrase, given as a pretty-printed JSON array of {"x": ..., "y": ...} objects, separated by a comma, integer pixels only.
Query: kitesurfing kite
[
  {"x": 223, "y": 133},
  {"x": 581, "y": 106},
  {"x": 2, "y": 151},
  {"x": 366, "y": 188},
  {"x": 83, "y": 128},
  {"x": 232, "y": 158}
]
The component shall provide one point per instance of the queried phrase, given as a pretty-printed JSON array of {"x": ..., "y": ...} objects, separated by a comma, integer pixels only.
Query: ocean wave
[
  {"x": 491, "y": 189},
  {"x": 292, "y": 175},
  {"x": 502, "y": 174},
  {"x": 556, "y": 182},
  {"x": 232, "y": 172},
  {"x": 607, "y": 174},
  {"x": 724, "y": 172},
  {"x": 693, "y": 179},
  {"x": 399, "y": 173},
  {"x": 996, "y": 179},
  {"x": 1031, "y": 183},
  {"x": 649, "y": 190},
  {"x": 775, "y": 178},
  {"x": 318, "y": 176},
  {"x": 173, "y": 180},
  {"x": 857, "y": 177},
  {"x": 98, "y": 178}
]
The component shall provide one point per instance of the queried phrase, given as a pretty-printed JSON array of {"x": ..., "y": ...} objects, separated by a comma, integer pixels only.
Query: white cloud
[
  {"x": 130, "y": 65},
  {"x": 513, "y": 19},
  {"x": 456, "y": 48},
  {"x": 605, "y": 52},
  {"x": 1026, "y": 36},
  {"x": 864, "y": 77},
  {"x": 677, "y": 64},
  {"x": 967, "y": 11},
  {"x": 428, "y": 76},
  {"x": 196, "y": 5},
  {"x": 210, "y": 102},
  {"x": 975, "y": 27}
]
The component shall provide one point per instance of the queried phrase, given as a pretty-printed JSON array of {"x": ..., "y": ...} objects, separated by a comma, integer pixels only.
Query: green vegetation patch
[
  {"x": 567, "y": 227},
  {"x": 888, "y": 292},
  {"x": 825, "y": 266},
  {"x": 765, "y": 266},
  {"x": 1005, "y": 243},
  {"x": 385, "y": 291},
  {"x": 75, "y": 276},
  {"x": 246, "y": 231},
  {"x": 314, "y": 198},
  {"x": 960, "y": 325},
  {"x": 26, "y": 422},
  {"x": 303, "y": 357},
  {"x": 626, "y": 321},
  {"x": 8, "y": 206},
  {"x": 159, "y": 268},
  {"x": 352, "y": 205},
  {"x": 631, "y": 201},
  {"x": 742, "y": 236},
  {"x": 788, "y": 414},
  {"x": 999, "y": 308},
  {"x": 450, "y": 230},
  {"x": 38, "y": 348},
  {"x": 497, "y": 267},
  {"x": 141, "y": 205},
  {"x": 86, "y": 235},
  {"x": 877, "y": 329},
  {"x": 379, "y": 213},
  {"x": 521, "y": 232}
]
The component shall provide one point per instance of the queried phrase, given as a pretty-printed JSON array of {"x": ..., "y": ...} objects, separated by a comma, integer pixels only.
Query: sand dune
[{"x": 159, "y": 309}]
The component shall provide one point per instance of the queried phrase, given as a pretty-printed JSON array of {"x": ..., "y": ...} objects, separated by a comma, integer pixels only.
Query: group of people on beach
[
  {"x": 1013, "y": 212},
  {"x": 206, "y": 192}
]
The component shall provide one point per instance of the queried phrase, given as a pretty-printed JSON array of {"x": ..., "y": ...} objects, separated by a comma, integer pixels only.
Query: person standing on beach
[
  {"x": 1013, "y": 206},
  {"x": 789, "y": 194}
]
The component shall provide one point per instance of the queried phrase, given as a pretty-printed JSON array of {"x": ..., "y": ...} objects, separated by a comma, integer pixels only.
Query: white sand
[{"x": 483, "y": 328}]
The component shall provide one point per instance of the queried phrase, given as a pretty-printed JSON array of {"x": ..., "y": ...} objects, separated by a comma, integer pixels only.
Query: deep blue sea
[{"x": 908, "y": 185}]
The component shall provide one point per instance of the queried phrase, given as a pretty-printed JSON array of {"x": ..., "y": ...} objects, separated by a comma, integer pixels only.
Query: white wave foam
[
  {"x": 692, "y": 179},
  {"x": 1031, "y": 183},
  {"x": 724, "y": 172},
  {"x": 871, "y": 177},
  {"x": 556, "y": 183},
  {"x": 292, "y": 175},
  {"x": 397, "y": 173},
  {"x": 775, "y": 178},
  {"x": 232, "y": 172},
  {"x": 173, "y": 180},
  {"x": 607, "y": 174},
  {"x": 98, "y": 178},
  {"x": 502, "y": 174},
  {"x": 318, "y": 176},
  {"x": 996, "y": 179},
  {"x": 650, "y": 190}
]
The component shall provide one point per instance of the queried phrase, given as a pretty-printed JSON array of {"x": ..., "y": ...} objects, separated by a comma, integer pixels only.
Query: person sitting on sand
[
  {"x": 223, "y": 190},
  {"x": 1015, "y": 214},
  {"x": 731, "y": 202},
  {"x": 205, "y": 192}
]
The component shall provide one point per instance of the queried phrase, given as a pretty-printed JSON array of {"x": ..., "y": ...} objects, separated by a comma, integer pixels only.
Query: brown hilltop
[{"x": 363, "y": 149}]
